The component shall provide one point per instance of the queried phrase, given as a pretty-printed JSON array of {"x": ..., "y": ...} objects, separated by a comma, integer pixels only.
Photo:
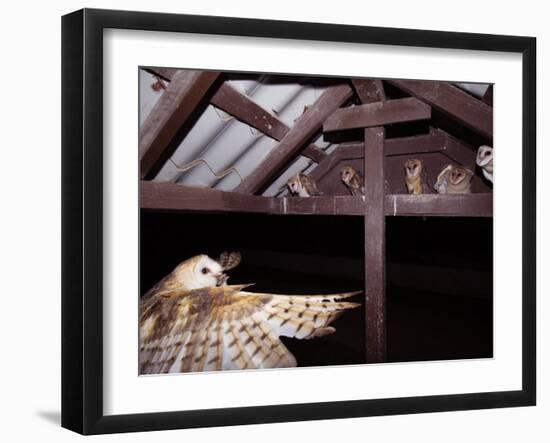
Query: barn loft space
[{"x": 217, "y": 151}]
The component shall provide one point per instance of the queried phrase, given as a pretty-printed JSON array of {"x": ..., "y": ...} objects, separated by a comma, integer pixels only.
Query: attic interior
[{"x": 216, "y": 152}]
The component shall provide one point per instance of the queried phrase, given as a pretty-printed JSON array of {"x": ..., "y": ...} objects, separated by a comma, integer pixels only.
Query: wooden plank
[
  {"x": 447, "y": 98},
  {"x": 458, "y": 151},
  {"x": 175, "y": 197},
  {"x": 375, "y": 246},
  {"x": 245, "y": 109},
  {"x": 448, "y": 205},
  {"x": 170, "y": 113},
  {"x": 307, "y": 125},
  {"x": 369, "y": 91},
  {"x": 326, "y": 205},
  {"x": 488, "y": 96},
  {"x": 378, "y": 114},
  {"x": 419, "y": 144}
]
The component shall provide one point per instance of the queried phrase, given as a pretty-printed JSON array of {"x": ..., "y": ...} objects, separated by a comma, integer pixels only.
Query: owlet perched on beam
[
  {"x": 302, "y": 186},
  {"x": 353, "y": 180},
  {"x": 484, "y": 160},
  {"x": 193, "y": 321},
  {"x": 454, "y": 180}
]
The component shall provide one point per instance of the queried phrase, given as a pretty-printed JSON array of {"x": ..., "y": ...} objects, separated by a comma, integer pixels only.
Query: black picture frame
[{"x": 82, "y": 220}]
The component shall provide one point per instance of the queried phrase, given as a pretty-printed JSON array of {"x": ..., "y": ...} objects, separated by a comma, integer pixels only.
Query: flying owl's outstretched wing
[{"x": 227, "y": 328}]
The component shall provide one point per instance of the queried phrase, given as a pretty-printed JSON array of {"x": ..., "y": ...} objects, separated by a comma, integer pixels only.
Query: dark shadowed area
[{"x": 439, "y": 275}]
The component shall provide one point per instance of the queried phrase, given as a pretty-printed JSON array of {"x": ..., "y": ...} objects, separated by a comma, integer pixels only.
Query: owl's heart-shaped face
[
  {"x": 347, "y": 174},
  {"x": 209, "y": 273},
  {"x": 413, "y": 167},
  {"x": 200, "y": 272},
  {"x": 294, "y": 185},
  {"x": 484, "y": 155}
]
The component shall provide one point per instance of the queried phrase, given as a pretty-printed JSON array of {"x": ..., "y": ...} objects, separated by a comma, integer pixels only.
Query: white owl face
[
  {"x": 200, "y": 272},
  {"x": 208, "y": 272},
  {"x": 347, "y": 174},
  {"x": 294, "y": 185},
  {"x": 484, "y": 155},
  {"x": 413, "y": 167}
]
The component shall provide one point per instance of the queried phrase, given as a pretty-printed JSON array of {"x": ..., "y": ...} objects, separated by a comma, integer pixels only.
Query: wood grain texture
[
  {"x": 170, "y": 113},
  {"x": 378, "y": 114},
  {"x": 447, "y": 98},
  {"x": 375, "y": 246},
  {"x": 244, "y": 109},
  {"x": 307, "y": 125},
  {"x": 176, "y": 197},
  {"x": 369, "y": 91}
]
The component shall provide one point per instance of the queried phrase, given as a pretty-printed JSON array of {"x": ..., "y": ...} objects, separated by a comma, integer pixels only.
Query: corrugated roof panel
[{"x": 218, "y": 143}]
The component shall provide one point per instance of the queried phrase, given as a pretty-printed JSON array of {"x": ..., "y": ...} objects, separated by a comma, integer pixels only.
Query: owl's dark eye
[
  {"x": 205, "y": 270},
  {"x": 486, "y": 153}
]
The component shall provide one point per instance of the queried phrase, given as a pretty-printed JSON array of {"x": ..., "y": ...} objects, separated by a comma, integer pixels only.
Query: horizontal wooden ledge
[
  {"x": 175, "y": 197},
  {"x": 378, "y": 114}
]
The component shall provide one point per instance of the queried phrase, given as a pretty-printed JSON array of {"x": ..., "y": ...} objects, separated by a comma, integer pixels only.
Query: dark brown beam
[
  {"x": 458, "y": 151},
  {"x": 452, "y": 101},
  {"x": 307, "y": 125},
  {"x": 369, "y": 91},
  {"x": 418, "y": 144},
  {"x": 448, "y": 205},
  {"x": 375, "y": 246},
  {"x": 170, "y": 113},
  {"x": 326, "y": 205},
  {"x": 176, "y": 197},
  {"x": 488, "y": 96},
  {"x": 378, "y": 114},
  {"x": 245, "y": 109}
]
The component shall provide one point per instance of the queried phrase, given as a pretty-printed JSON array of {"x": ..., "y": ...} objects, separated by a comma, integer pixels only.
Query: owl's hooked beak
[{"x": 221, "y": 279}]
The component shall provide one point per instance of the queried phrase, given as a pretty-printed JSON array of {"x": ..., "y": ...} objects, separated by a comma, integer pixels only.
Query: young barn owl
[
  {"x": 193, "y": 321},
  {"x": 454, "y": 180},
  {"x": 353, "y": 180},
  {"x": 302, "y": 185},
  {"x": 414, "y": 176},
  {"x": 484, "y": 160}
]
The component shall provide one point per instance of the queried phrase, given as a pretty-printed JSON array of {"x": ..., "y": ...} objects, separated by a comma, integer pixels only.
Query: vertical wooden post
[{"x": 375, "y": 246}]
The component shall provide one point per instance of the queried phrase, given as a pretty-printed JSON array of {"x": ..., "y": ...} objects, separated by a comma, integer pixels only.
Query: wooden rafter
[
  {"x": 378, "y": 114},
  {"x": 369, "y": 91},
  {"x": 243, "y": 108},
  {"x": 307, "y": 125},
  {"x": 170, "y": 113},
  {"x": 452, "y": 101},
  {"x": 176, "y": 197},
  {"x": 248, "y": 111},
  {"x": 375, "y": 246},
  {"x": 418, "y": 144},
  {"x": 456, "y": 150}
]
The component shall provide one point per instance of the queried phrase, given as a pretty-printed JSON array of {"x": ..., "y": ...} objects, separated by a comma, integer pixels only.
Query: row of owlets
[{"x": 451, "y": 180}]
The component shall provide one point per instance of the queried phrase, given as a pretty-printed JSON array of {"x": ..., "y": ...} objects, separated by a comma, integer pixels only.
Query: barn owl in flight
[
  {"x": 193, "y": 321},
  {"x": 484, "y": 160}
]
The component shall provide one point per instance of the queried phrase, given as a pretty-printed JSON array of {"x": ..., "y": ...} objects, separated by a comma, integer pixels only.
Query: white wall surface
[{"x": 30, "y": 223}]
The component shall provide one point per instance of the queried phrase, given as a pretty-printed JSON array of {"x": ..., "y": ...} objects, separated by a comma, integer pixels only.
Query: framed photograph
[{"x": 273, "y": 221}]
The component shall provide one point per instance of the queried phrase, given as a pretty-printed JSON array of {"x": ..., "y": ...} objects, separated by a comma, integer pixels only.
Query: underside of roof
[{"x": 230, "y": 131}]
